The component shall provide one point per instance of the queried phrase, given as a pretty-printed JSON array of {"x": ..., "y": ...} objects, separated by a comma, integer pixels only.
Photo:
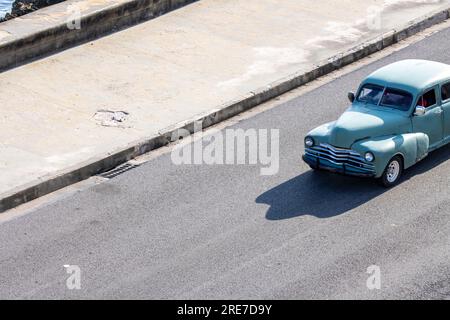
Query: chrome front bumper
[{"x": 338, "y": 160}]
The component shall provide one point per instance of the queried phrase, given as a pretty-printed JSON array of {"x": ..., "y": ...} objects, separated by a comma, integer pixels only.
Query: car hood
[{"x": 360, "y": 122}]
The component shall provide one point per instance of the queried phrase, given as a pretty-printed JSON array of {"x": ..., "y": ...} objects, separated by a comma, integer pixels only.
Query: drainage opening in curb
[{"x": 118, "y": 170}]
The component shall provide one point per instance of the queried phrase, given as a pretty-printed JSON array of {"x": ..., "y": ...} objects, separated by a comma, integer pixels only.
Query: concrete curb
[
  {"x": 223, "y": 112},
  {"x": 94, "y": 25}
]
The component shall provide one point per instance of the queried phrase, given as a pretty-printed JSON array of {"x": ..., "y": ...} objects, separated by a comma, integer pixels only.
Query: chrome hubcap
[{"x": 393, "y": 171}]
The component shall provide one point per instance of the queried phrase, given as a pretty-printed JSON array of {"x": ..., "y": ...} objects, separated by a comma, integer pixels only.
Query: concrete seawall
[{"x": 50, "y": 35}]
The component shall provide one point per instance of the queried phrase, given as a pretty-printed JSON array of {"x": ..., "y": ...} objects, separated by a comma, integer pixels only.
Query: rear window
[
  {"x": 397, "y": 99},
  {"x": 446, "y": 91}
]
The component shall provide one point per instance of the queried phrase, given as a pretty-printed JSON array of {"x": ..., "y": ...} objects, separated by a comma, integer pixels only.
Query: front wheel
[{"x": 393, "y": 172}]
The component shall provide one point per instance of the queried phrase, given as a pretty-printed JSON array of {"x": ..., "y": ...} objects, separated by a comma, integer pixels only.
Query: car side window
[
  {"x": 445, "y": 92},
  {"x": 428, "y": 99}
]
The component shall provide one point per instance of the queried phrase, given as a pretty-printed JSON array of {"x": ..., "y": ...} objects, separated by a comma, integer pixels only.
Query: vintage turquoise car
[{"x": 399, "y": 114}]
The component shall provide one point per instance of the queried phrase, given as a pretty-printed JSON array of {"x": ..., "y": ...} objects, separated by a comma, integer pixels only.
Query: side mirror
[
  {"x": 419, "y": 111},
  {"x": 351, "y": 96}
]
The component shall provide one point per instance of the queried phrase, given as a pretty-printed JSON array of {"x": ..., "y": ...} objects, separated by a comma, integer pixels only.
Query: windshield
[
  {"x": 397, "y": 99},
  {"x": 370, "y": 93},
  {"x": 392, "y": 98}
]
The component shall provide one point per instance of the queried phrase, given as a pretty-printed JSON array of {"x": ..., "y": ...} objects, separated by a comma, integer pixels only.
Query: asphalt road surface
[{"x": 225, "y": 231}]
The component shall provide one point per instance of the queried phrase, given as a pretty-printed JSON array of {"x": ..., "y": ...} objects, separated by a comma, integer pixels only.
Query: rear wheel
[{"x": 393, "y": 172}]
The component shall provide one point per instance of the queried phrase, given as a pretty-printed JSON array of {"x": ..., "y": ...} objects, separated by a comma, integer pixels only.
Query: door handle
[{"x": 438, "y": 111}]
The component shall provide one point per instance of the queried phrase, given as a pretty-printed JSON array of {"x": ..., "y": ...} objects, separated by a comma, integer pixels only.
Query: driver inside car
[{"x": 422, "y": 102}]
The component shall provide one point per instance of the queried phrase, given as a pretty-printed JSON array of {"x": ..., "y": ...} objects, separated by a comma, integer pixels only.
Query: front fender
[{"x": 413, "y": 147}]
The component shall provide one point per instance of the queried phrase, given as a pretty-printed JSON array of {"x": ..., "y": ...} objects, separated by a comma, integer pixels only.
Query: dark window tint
[
  {"x": 397, "y": 99},
  {"x": 370, "y": 93},
  {"x": 446, "y": 91},
  {"x": 428, "y": 99}
]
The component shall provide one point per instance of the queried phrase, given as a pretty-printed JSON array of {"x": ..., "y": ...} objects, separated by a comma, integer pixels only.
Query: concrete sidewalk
[{"x": 167, "y": 71}]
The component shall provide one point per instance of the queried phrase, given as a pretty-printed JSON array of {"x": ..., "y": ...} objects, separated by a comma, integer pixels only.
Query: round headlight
[
  {"x": 369, "y": 156},
  {"x": 309, "y": 142}
]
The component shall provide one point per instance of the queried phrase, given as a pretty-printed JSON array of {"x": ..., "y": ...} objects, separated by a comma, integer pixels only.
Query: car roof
[{"x": 412, "y": 75}]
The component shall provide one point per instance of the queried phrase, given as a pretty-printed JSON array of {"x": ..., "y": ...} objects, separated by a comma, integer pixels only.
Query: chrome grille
[{"x": 340, "y": 157}]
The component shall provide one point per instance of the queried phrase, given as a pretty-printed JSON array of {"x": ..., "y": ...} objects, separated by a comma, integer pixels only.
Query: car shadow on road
[{"x": 323, "y": 195}]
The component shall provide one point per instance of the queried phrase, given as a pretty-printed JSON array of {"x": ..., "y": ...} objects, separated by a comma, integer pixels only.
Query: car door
[
  {"x": 445, "y": 98},
  {"x": 430, "y": 123}
]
